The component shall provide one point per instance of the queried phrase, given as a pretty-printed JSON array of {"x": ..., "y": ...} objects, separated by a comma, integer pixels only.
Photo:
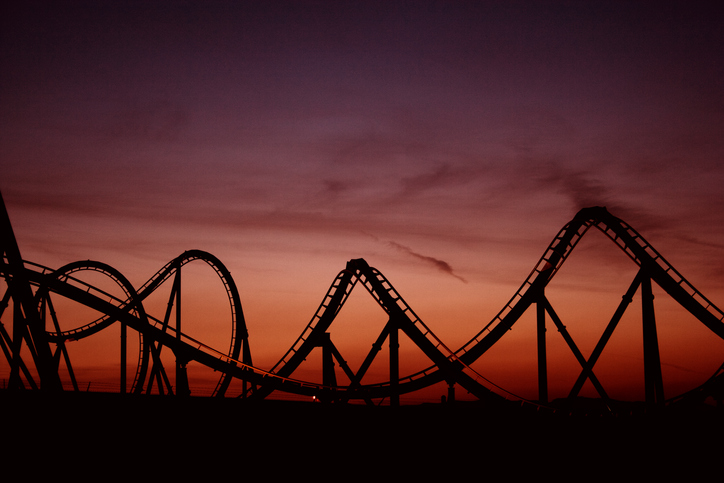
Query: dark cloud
[
  {"x": 333, "y": 190},
  {"x": 581, "y": 187},
  {"x": 584, "y": 190},
  {"x": 441, "y": 265}
]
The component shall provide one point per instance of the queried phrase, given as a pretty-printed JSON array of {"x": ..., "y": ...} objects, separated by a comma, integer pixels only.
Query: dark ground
[{"x": 202, "y": 437}]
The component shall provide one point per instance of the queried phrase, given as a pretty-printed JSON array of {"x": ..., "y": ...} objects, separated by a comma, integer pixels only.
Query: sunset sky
[{"x": 444, "y": 142}]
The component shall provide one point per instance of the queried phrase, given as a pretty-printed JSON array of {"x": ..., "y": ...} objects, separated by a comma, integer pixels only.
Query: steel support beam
[
  {"x": 329, "y": 377},
  {"x": 625, "y": 302},
  {"x": 542, "y": 362},
  {"x": 182, "y": 379},
  {"x": 653, "y": 381},
  {"x": 394, "y": 364},
  {"x": 574, "y": 349},
  {"x": 27, "y": 323}
]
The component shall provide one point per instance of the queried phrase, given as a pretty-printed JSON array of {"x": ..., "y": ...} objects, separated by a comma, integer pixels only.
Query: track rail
[
  {"x": 191, "y": 348},
  {"x": 627, "y": 239},
  {"x": 447, "y": 364}
]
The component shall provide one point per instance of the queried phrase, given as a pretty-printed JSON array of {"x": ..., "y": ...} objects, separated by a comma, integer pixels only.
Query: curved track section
[
  {"x": 645, "y": 256},
  {"x": 62, "y": 281},
  {"x": 627, "y": 239},
  {"x": 630, "y": 242},
  {"x": 239, "y": 333},
  {"x": 154, "y": 329},
  {"x": 455, "y": 365},
  {"x": 448, "y": 365},
  {"x": 131, "y": 302},
  {"x": 309, "y": 339},
  {"x": 312, "y": 334},
  {"x": 392, "y": 303}
]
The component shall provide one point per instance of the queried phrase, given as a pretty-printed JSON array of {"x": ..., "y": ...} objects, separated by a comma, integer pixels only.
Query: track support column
[
  {"x": 329, "y": 377},
  {"x": 124, "y": 359},
  {"x": 394, "y": 364},
  {"x": 27, "y": 323},
  {"x": 182, "y": 379},
  {"x": 451, "y": 392},
  {"x": 653, "y": 381},
  {"x": 542, "y": 360}
]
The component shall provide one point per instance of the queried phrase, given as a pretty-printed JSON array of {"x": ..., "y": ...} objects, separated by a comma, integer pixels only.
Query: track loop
[{"x": 447, "y": 364}]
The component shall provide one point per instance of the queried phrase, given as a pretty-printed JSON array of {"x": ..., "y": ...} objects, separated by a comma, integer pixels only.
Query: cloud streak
[{"x": 440, "y": 265}]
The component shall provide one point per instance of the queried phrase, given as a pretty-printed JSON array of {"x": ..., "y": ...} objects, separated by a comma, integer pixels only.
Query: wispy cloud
[{"x": 441, "y": 265}]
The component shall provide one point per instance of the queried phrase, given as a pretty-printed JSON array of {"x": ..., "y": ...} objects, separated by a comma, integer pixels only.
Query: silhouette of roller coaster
[{"x": 38, "y": 356}]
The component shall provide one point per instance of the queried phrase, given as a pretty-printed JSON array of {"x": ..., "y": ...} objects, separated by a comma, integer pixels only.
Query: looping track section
[{"x": 37, "y": 347}]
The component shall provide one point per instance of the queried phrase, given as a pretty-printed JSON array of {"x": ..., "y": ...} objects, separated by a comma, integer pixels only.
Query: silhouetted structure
[{"x": 30, "y": 286}]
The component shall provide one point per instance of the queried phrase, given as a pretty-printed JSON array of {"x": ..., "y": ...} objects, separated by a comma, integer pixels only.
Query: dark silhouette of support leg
[
  {"x": 26, "y": 319},
  {"x": 7, "y": 344},
  {"x": 625, "y": 301},
  {"x": 46, "y": 306},
  {"x": 340, "y": 360},
  {"x": 451, "y": 392},
  {"x": 329, "y": 378},
  {"x": 182, "y": 379},
  {"x": 542, "y": 362},
  {"x": 246, "y": 359},
  {"x": 394, "y": 366},
  {"x": 124, "y": 343},
  {"x": 653, "y": 382},
  {"x": 347, "y": 371},
  {"x": 18, "y": 331},
  {"x": 574, "y": 349},
  {"x": 158, "y": 372},
  {"x": 355, "y": 379}
]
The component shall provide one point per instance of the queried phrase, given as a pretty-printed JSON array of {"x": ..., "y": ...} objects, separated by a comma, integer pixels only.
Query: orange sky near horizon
[{"x": 446, "y": 144}]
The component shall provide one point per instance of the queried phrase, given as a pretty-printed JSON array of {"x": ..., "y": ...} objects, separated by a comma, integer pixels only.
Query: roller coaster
[{"x": 37, "y": 352}]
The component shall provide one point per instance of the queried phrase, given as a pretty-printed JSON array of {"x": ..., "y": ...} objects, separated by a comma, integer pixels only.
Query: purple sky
[{"x": 445, "y": 142}]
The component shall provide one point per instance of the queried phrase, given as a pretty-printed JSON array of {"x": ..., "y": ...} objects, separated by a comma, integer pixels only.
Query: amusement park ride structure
[{"x": 37, "y": 353}]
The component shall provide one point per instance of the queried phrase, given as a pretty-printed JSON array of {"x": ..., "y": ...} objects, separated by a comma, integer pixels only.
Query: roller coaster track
[
  {"x": 152, "y": 328},
  {"x": 131, "y": 299},
  {"x": 622, "y": 234},
  {"x": 392, "y": 303},
  {"x": 627, "y": 239},
  {"x": 58, "y": 279},
  {"x": 451, "y": 366}
]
